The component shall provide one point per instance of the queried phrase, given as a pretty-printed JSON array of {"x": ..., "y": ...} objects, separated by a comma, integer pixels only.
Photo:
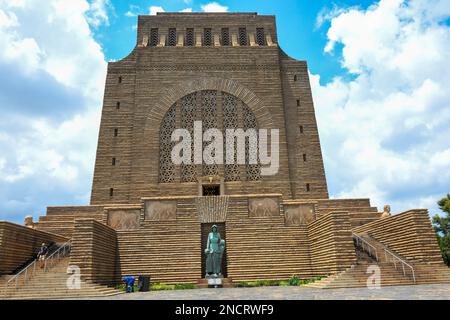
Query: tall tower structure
[{"x": 224, "y": 69}]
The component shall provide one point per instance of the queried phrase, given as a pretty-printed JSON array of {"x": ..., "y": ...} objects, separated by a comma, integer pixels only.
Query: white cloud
[
  {"x": 98, "y": 12},
  {"x": 385, "y": 133},
  {"x": 53, "y": 74},
  {"x": 153, "y": 10},
  {"x": 133, "y": 11},
  {"x": 214, "y": 7},
  {"x": 186, "y": 10},
  {"x": 327, "y": 15}
]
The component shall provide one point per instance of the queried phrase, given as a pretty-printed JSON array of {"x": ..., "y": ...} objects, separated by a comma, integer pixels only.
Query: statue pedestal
[{"x": 215, "y": 282}]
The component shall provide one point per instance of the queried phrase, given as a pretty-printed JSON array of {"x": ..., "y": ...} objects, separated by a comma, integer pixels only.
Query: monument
[{"x": 150, "y": 216}]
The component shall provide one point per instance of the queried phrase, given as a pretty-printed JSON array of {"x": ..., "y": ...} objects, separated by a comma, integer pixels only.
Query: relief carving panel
[
  {"x": 263, "y": 207},
  {"x": 124, "y": 219},
  {"x": 160, "y": 210},
  {"x": 299, "y": 214}
]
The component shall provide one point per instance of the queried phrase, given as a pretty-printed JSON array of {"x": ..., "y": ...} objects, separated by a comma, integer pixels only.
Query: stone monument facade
[
  {"x": 149, "y": 216},
  {"x": 224, "y": 69}
]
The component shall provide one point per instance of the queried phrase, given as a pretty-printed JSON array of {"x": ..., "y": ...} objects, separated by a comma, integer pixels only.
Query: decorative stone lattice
[
  {"x": 166, "y": 166},
  {"x": 154, "y": 37},
  {"x": 203, "y": 106},
  {"x": 243, "y": 37},
  {"x": 190, "y": 37},
  {"x": 207, "y": 37},
  {"x": 212, "y": 209},
  {"x": 209, "y": 118},
  {"x": 188, "y": 113},
  {"x": 251, "y": 151},
  {"x": 230, "y": 121},
  {"x": 260, "y": 37},
  {"x": 225, "y": 37},
  {"x": 172, "y": 39}
]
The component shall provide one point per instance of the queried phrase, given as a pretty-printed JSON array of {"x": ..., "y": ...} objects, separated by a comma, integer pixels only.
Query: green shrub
[
  {"x": 123, "y": 287},
  {"x": 293, "y": 281},
  {"x": 185, "y": 286},
  {"x": 163, "y": 286},
  {"x": 160, "y": 286}
]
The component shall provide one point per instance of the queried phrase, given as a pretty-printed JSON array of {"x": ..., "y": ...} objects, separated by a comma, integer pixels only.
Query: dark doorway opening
[
  {"x": 206, "y": 229},
  {"x": 211, "y": 190}
]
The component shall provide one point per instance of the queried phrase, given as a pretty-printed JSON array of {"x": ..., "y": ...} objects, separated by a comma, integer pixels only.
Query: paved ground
[{"x": 419, "y": 292}]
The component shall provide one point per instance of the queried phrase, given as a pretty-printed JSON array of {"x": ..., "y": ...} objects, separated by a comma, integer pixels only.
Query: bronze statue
[{"x": 215, "y": 247}]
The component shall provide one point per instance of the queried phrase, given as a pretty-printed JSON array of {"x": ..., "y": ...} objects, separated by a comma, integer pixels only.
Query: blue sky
[{"x": 379, "y": 73}]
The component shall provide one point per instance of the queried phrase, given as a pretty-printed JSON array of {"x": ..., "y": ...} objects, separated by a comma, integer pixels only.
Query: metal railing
[
  {"x": 366, "y": 246},
  {"x": 395, "y": 259},
  {"x": 30, "y": 270},
  {"x": 56, "y": 256}
]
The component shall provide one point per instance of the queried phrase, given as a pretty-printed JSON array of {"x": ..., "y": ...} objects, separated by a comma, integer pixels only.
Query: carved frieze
[
  {"x": 160, "y": 210},
  {"x": 263, "y": 207},
  {"x": 299, "y": 214},
  {"x": 124, "y": 219}
]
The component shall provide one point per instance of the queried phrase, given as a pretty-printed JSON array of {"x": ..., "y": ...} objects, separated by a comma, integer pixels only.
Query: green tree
[{"x": 441, "y": 225}]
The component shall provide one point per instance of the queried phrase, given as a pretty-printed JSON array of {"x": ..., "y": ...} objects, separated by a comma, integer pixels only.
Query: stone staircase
[
  {"x": 432, "y": 273},
  {"x": 53, "y": 285},
  {"x": 357, "y": 275},
  {"x": 425, "y": 273}
]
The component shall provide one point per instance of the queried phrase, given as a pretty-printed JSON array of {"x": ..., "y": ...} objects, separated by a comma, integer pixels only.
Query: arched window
[{"x": 216, "y": 110}]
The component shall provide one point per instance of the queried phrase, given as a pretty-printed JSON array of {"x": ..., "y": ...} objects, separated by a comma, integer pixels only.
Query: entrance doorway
[
  {"x": 211, "y": 190},
  {"x": 206, "y": 229}
]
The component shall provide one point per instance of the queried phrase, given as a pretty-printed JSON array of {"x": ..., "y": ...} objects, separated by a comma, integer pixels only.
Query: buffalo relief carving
[
  {"x": 160, "y": 210},
  {"x": 299, "y": 215},
  {"x": 263, "y": 207},
  {"x": 124, "y": 219}
]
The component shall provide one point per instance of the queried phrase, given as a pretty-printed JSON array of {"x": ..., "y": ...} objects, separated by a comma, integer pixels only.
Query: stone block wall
[
  {"x": 408, "y": 234},
  {"x": 307, "y": 173},
  {"x": 167, "y": 245},
  {"x": 18, "y": 244},
  {"x": 94, "y": 251},
  {"x": 330, "y": 240},
  {"x": 60, "y": 220},
  {"x": 260, "y": 245}
]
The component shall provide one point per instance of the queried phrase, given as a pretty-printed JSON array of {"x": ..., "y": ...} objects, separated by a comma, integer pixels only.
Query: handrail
[
  {"x": 403, "y": 262},
  {"x": 30, "y": 269},
  {"x": 58, "y": 254},
  {"x": 395, "y": 257},
  {"x": 370, "y": 247}
]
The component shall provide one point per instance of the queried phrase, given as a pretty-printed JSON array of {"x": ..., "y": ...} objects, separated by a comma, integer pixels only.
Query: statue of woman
[{"x": 213, "y": 253}]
